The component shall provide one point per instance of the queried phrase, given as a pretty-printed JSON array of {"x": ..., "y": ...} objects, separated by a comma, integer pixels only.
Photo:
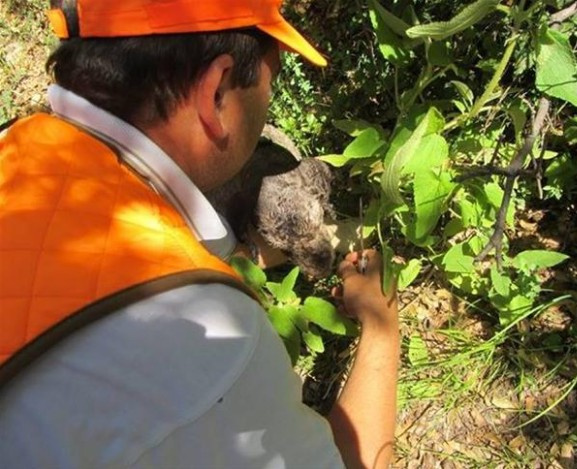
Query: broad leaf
[
  {"x": 253, "y": 275},
  {"x": 280, "y": 317},
  {"x": 501, "y": 283},
  {"x": 455, "y": 260},
  {"x": 394, "y": 23},
  {"x": 431, "y": 188},
  {"x": 337, "y": 161},
  {"x": 408, "y": 274},
  {"x": 286, "y": 292},
  {"x": 518, "y": 113},
  {"x": 515, "y": 309},
  {"x": 389, "y": 273},
  {"x": 418, "y": 354},
  {"x": 438, "y": 54},
  {"x": 390, "y": 44},
  {"x": 471, "y": 212},
  {"x": 537, "y": 259},
  {"x": 467, "y": 17},
  {"x": 464, "y": 91},
  {"x": 494, "y": 195},
  {"x": 325, "y": 315},
  {"x": 314, "y": 341},
  {"x": 353, "y": 127},
  {"x": 366, "y": 144},
  {"x": 283, "y": 292},
  {"x": 556, "y": 66},
  {"x": 433, "y": 151},
  {"x": 395, "y": 163}
]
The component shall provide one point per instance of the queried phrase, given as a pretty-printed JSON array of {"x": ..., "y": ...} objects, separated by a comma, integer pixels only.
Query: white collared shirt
[{"x": 195, "y": 377}]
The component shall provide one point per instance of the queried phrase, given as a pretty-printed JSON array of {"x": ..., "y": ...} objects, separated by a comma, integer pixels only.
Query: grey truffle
[{"x": 286, "y": 200}]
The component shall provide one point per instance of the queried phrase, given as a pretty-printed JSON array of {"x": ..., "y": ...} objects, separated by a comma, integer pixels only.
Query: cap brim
[{"x": 293, "y": 41}]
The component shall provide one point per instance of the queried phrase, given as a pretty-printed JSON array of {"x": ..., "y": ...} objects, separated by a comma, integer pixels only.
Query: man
[{"x": 126, "y": 338}]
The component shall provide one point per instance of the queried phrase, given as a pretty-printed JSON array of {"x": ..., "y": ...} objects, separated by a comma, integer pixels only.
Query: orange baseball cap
[{"x": 118, "y": 18}]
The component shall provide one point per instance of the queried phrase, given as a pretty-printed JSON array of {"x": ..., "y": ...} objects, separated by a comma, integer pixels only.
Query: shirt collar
[{"x": 152, "y": 163}]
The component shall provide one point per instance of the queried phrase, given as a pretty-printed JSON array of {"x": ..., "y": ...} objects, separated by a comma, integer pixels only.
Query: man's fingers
[
  {"x": 346, "y": 269},
  {"x": 337, "y": 292}
]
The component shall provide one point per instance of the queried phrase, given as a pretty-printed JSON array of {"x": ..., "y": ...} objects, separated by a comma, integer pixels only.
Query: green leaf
[
  {"x": 314, "y": 341},
  {"x": 494, "y": 195},
  {"x": 433, "y": 151},
  {"x": 390, "y": 44},
  {"x": 562, "y": 172},
  {"x": 470, "y": 212},
  {"x": 325, "y": 315},
  {"x": 389, "y": 271},
  {"x": 556, "y": 66},
  {"x": 455, "y": 260},
  {"x": 283, "y": 292},
  {"x": 418, "y": 354},
  {"x": 293, "y": 349},
  {"x": 286, "y": 293},
  {"x": 432, "y": 188},
  {"x": 518, "y": 113},
  {"x": 366, "y": 144},
  {"x": 395, "y": 24},
  {"x": 467, "y": 17},
  {"x": 280, "y": 317},
  {"x": 338, "y": 161},
  {"x": 353, "y": 127},
  {"x": 538, "y": 259},
  {"x": 570, "y": 131},
  {"x": 476, "y": 244},
  {"x": 516, "y": 308},
  {"x": 438, "y": 54},
  {"x": 501, "y": 283},
  {"x": 409, "y": 273},
  {"x": 394, "y": 163},
  {"x": 252, "y": 274},
  {"x": 464, "y": 91}
]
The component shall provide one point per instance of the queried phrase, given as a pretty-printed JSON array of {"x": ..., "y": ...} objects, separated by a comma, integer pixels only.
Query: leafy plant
[
  {"x": 298, "y": 321},
  {"x": 462, "y": 155}
]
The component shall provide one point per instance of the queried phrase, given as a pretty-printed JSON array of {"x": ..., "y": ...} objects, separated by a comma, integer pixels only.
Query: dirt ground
[{"x": 477, "y": 410}]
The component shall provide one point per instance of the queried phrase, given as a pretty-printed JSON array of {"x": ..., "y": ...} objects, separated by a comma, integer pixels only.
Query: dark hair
[{"x": 144, "y": 78}]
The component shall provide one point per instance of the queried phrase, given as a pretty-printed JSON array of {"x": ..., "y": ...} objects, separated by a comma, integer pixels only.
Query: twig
[
  {"x": 563, "y": 14},
  {"x": 479, "y": 171},
  {"x": 516, "y": 165}
]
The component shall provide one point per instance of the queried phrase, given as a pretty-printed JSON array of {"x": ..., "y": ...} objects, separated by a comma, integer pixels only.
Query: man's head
[{"x": 174, "y": 67}]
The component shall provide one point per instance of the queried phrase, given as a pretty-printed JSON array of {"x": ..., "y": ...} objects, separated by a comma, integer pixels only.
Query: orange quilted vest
[{"x": 76, "y": 226}]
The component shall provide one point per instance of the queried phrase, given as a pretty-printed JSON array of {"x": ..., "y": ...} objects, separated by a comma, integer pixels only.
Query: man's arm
[{"x": 363, "y": 418}]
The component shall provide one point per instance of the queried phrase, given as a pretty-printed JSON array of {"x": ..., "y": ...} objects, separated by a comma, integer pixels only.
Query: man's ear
[{"x": 211, "y": 87}]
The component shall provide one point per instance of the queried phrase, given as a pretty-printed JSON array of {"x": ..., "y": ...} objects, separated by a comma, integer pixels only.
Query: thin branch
[
  {"x": 482, "y": 171},
  {"x": 516, "y": 165},
  {"x": 564, "y": 14}
]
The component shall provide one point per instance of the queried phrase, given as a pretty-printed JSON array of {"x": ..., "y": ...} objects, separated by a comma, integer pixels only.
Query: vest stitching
[
  {"x": 33, "y": 296},
  {"x": 111, "y": 218}
]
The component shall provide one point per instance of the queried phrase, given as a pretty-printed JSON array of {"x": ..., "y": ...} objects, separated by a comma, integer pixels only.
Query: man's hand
[
  {"x": 363, "y": 418},
  {"x": 361, "y": 294}
]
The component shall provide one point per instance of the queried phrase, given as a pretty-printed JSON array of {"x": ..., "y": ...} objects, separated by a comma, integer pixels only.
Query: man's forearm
[{"x": 363, "y": 418}]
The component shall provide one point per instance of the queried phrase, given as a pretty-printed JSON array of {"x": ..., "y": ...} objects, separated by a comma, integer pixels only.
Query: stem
[
  {"x": 564, "y": 14},
  {"x": 516, "y": 165},
  {"x": 397, "y": 98},
  {"x": 495, "y": 79},
  {"x": 423, "y": 81}
]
